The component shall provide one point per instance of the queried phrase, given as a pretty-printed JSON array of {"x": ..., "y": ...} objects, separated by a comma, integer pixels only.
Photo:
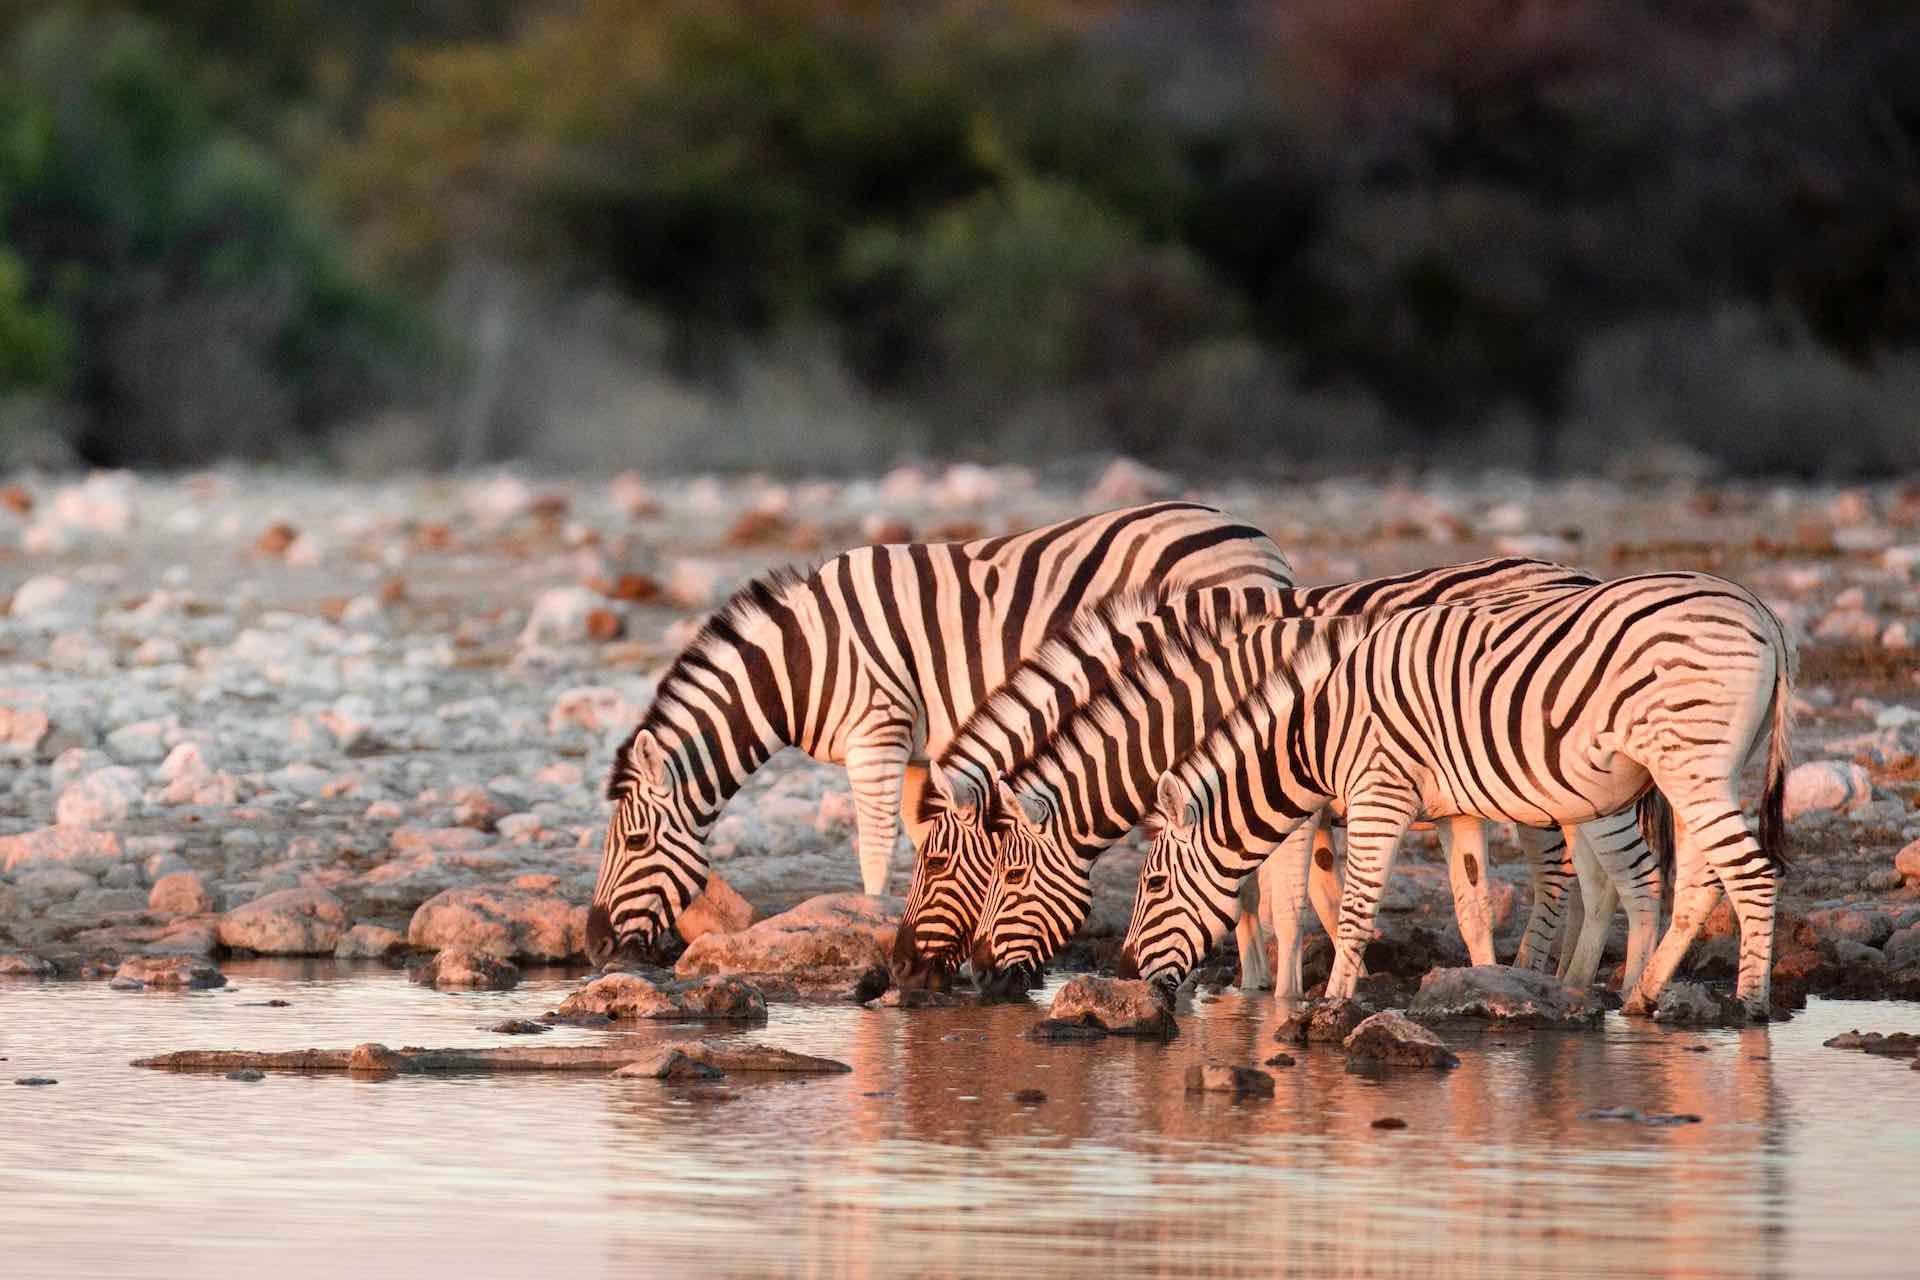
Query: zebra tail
[
  {"x": 1656, "y": 828},
  {"x": 1773, "y": 818}
]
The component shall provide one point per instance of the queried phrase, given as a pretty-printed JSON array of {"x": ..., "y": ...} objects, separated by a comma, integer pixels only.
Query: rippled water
[{"x": 921, "y": 1163}]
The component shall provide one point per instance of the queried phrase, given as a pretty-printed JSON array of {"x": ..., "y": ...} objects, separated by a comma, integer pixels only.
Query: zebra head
[
  {"x": 950, "y": 876},
  {"x": 652, "y": 863},
  {"x": 1187, "y": 896},
  {"x": 1040, "y": 895}
]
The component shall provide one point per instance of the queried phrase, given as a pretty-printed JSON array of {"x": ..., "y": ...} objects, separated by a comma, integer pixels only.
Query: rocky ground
[{"x": 257, "y": 712}]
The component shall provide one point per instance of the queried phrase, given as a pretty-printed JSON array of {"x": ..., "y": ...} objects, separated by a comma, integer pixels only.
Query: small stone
[
  {"x": 171, "y": 972},
  {"x": 672, "y": 1064},
  {"x": 519, "y": 1027},
  {"x": 1215, "y": 1077},
  {"x": 370, "y": 942},
  {"x": 1907, "y": 862},
  {"x": 1389, "y": 1122},
  {"x": 103, "y": 798},
  {"x": 22, "y": 730},
  {"x": 628, "y": 995},
  {"x": 466, "y": 969},
  {"x": 1397, "y": 1039},
  {"x": 247, "y": 1076},
  {"x": 1030, "y": 1097},
  {"x": 1321, "y": 1022},
  {"x": 1081, "y": 1028},
  {"x": 377, "y": 1059},
  {"x": 36, "y": 1081},
  {"x": 1280, "y": 1060}
]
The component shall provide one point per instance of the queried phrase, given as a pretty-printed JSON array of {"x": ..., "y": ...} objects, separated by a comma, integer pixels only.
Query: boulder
[
  {"x": 628, "y": 995},
  {"x": 1398, "y": 1040},
  {"x": 846, "y": 932},
  {"x": 515, "y": 923},
  {"x": 1321, "y": 1022},
  {"x": 718, "y": 909},
  {"x": 1119, "y": 1007},
  {"x": 69, "y": 848},
  {"x": 166, "y": 973},
  {"x": 1869, "y": 928},
  {"x": 292, "y": 922},
  {"x": 1218, "y": 1077},
  {"x": 370, "y": 942},
  {"x": 464, "y": 968},
  {"x": 103, "y": 798},
  {"x": 1900, "y": 1044},
  {"x": 1827, "y": 786},
  {"x": 1502, "y": 996},
  {"x": 182, "y": 893}
]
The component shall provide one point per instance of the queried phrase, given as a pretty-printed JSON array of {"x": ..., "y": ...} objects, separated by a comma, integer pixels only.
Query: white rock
[
  {"x": 1126, "y": 482},
  {"x": 696, "y": 584},
  {"x": 69, "y": 848},
  {"x": 1827, "y": 786},
  {"x": 1852, "y": 626},
  {"x": 103, "y": 798},
  {"x": 498, "y": 498},
  {"x": 1897, "y": 636},
  {"x": 560, "y": 616},
  {"x": 181, "y": 893},
  {"x": 75, "y": 763},
  {"x": 144, "y": 741},
  {"x": 1896, "y": 717},
  {"x": 365, "y": 613},
  {"x": 1904, "y": 559},
  {"x": 158, "y": 651},
  {"x": 22, "y": 731},
  {"x": 102, "y": 504},
  {"x": 595, "y": 708},
  {"x": 186, "y": 760},
  {"x": 48, "y": 596}
]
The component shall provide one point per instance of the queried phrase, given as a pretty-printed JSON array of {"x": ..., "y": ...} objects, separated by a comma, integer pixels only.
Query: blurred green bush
[{"x": 1315, "y": 228}]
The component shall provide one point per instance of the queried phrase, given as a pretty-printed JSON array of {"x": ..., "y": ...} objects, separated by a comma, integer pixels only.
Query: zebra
[
  {"x": 867, "y": 660},
  {"x": 1562, "y": 709},
  {"x": 958, "y": 854}
]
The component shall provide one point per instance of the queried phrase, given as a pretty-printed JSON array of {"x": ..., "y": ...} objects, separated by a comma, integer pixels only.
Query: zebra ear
[
  {"x": 649, "y": 758},
  {"x": 1033, "y": 807},
  {"x": 1173, "y": 806}
]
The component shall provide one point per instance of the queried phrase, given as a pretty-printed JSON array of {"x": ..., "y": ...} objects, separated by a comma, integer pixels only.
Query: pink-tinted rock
[
  {"x": 183, "y": 893},
  {"x": 845, "y": 932},
  {"x": 1322, "y": 1022},
  {"x": 1502, "y": 996},
  {"x": 461, "y": 967},
  {"x": 628, "y": 995},
  {"x": 1219, "y": 1077},
  {"x": 292, "y": 922},
  {"x": 370, "y": 942},
  {"x": 515, "y": 923},
  {"x": 72, "y": 848},
  {"x": 718, "y": 909},
  {"x": 1120, "y": 1007},
  {"x": 24, "y": 964},
  {"x": 167, "y": 973}
]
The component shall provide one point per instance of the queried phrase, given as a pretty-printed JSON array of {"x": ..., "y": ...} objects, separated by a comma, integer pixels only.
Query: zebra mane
[
  {"x": 1057, "y": 659},
  {"x": 757, "y": 599},
  {"x": 1332, "y": 637},
  {"x": 1116, "y": 707}
]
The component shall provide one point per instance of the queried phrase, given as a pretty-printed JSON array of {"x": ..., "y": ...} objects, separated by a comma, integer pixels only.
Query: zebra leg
[
  {"x": 1632, "y": 876},
  {"x": 1464, "y": 840},
  {"x": 1375, "y": 826},
  {"x": 1693, "y": 900},
  {"x": 1583, "y": 949},
  {"x": 1719, "y": 833},
  {"x": 1324, "y": 884},
  {"x": 1254, "y": 974},
  {"x": 876, "y": 770},
  {"x": 1284, "y": 881},
  {"x": 1551, "y": 871}
]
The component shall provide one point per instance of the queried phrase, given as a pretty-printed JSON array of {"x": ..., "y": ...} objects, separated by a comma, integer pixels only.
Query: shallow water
[{"x": 921, "y": 1163}]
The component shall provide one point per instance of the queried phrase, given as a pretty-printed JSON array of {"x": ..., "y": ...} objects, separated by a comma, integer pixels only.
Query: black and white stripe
[
  {"x": 1549, "y": 711},
  {"x": 873, "y": 657},
  {"x": 1059, "y": 723}
]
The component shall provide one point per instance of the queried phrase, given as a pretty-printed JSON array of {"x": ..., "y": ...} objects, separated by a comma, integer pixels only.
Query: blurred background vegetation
[{"x": 1573, "y": 234}]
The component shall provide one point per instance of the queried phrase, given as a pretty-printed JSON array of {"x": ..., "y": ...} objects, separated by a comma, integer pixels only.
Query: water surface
[{"x": 920, "y": 1162}]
